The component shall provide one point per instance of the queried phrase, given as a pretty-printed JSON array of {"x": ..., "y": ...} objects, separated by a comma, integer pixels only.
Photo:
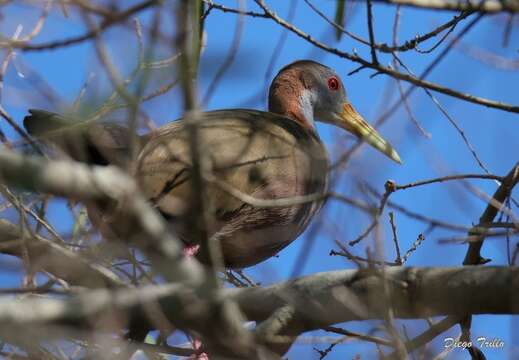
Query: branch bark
[{"x": 318, "y": 300}]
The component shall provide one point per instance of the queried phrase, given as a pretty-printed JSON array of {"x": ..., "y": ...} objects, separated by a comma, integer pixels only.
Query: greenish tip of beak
[
  {"x": 353, "y": 122},
  {"x": 393, "y": 155}
]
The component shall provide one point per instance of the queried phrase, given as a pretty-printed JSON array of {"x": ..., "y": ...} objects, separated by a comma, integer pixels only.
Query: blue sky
[{"x": 492, "y": 133}]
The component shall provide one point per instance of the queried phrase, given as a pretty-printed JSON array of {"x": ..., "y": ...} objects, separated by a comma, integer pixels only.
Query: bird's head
[{"x": 305, "y": 90}]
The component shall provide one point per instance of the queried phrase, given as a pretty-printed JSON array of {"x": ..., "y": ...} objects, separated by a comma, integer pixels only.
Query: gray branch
[
  {"x": 318, "y": 300},
  {"x": 485, "y": 6}
]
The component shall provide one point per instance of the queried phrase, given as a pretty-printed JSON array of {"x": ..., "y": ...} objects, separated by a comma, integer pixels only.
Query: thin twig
[
  {"x": 229, "y": 59},
  {"x": 335, "y": 25},
  {"x": 398, "y": 259},
  {"x": 452, "y": 121},
  {"x": 473, "y": 256},
  {"x": 419, "y": 217},
  {"x": 476, "y": 238},
  {"x": 404, "y": 100},
  {"x": 386, "y": 70},
  {"x": 358, "y": 260},
  {"x": 448, "y": 178},
  {"x": 369, "y": 338},
  {"x": 418, "y": 242},
  {"x": 226, "y": 9},
  {"x": 374, "y": 59},
  {"x": 395, "y": 106},
  {"x": 111, "y": 21},
  {"x": 428, "y": 335},
  {"x": 389, "y": 189},
  {"x": 483, "y": 7}
]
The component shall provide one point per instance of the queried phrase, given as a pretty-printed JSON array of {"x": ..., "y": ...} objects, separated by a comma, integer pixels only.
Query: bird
[{"x": 256, "y": 159}]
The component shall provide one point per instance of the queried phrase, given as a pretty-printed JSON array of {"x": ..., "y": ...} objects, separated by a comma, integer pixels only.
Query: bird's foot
[{"x": 191, "y": 250}]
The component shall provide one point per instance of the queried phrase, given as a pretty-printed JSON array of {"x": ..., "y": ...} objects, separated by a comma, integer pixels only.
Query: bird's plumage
[
  {"x": 271, "y": 157},
  {"x": 252, "y": 155}
]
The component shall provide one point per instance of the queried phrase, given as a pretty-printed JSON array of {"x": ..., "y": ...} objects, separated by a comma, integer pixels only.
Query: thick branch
[
  {"x": 334, "y": 297},
  {"x": 318, "y": 300}
]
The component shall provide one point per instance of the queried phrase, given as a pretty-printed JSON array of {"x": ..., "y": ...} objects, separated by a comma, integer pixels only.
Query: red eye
[{"x": 333, "y": 83}]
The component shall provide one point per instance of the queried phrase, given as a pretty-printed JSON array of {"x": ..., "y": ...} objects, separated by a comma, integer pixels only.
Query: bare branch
[
  {"x": 352, "y": 334},
  {"x": 374, "y": 59},
  {"x": 319, "y": 299},
  {"x": 389, "y": 189},
  {"x": 111, "y": 21},
  {"x": 398, "y": 259},
  {"x": 386, "y": 70},
  {"x": 234, "y": 11},
  {"x": 473, "y": 256},
  {"x": 485, "y": 6},
  {"x": 449, "y": 178}
]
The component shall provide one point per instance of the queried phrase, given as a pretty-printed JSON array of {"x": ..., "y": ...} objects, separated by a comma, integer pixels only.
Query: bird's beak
[{"x": 352, "y": 121}]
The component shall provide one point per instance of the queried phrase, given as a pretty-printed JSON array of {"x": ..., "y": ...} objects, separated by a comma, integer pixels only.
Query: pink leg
[
  {"x": 196, "y": 345},
  {"x": 191, "y": 250}
]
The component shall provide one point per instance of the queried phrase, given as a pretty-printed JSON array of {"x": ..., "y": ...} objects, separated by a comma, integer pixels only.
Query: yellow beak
[{"x": 353, "y": 122}]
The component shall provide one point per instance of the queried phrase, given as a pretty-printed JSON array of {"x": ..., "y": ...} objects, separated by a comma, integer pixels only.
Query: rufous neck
[{"x": 290, "y": 98}]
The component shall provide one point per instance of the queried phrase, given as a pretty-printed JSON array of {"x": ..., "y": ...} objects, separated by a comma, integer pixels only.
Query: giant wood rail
[{"x": 258, "y": 155}]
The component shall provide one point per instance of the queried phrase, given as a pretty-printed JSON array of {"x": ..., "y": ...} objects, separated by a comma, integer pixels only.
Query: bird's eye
[{"x": 333, "y": 83}]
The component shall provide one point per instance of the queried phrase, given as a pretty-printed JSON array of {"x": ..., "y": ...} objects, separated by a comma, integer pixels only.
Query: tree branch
[
  {"x": 319, "y": 300},
  {"x": 387, "y": 70},
  {"x": 485, "y": 6},
  {"x": 473, "y": 256},
  {"x": 109, "y": 21}
]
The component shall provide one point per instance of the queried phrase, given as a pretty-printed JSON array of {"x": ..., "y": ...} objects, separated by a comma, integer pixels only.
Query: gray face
[
  {"x": 328, "y": 93},
  {"x": 311, "y": 90},
  {"x": 319, "y": 90}
]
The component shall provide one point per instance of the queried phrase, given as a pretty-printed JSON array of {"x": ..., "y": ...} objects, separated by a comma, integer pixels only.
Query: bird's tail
[
  {"x": 93, "y": 142},
  {"x": 96, "y": 143}
]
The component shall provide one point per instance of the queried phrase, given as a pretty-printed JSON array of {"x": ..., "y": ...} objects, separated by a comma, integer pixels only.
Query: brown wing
[{"x": 259, "y": 154}]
